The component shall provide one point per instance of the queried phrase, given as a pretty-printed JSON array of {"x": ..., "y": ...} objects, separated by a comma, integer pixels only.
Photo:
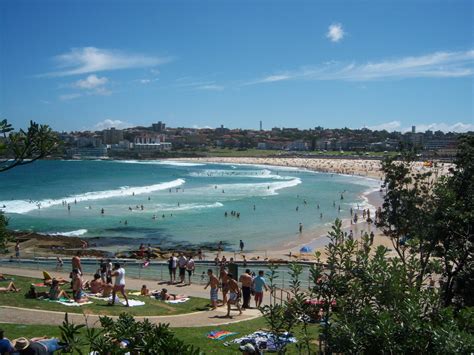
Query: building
[
  {"x": 149, "y": 139},
  {"x": 158, "y": 127},
  {"x": 152, "y": 147},
  {"x": 112, "y": 136}
]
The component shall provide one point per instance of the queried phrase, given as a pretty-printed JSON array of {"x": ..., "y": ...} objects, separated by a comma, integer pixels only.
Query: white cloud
[
  {"x": 434, "y": 65},
  {"x": 91, "y": 82},
  {"x": 445, "y": 127},
  {"x": 67, "y": 97},
  {"x": 108, "y": 123},
  {"x": 91, "y": 59},
  {"x": 335, "y": 32},
  {"x": 210, "y": 87},
  {"x": 389, "y": 126}
]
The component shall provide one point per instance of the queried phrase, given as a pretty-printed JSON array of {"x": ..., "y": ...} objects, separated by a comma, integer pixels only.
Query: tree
[
  {"x": 20, "y": 148},
  {"x": 25, "y": 147},
  {"x": 430, "y": 221}
]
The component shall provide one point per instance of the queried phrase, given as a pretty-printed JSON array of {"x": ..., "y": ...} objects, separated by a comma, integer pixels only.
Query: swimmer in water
[
  {"x": 102, "y": 211},
  {"x": 321, "y": 215},
  {"x": 301, "y": 227}
]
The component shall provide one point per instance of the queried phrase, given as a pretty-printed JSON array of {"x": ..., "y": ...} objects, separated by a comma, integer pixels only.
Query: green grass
[
  {"x": 152, "y": 307},
  {"x": 195, "y": 335}
]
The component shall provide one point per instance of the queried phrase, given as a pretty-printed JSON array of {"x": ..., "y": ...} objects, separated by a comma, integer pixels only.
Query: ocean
[{"x": 174, "y": 203}]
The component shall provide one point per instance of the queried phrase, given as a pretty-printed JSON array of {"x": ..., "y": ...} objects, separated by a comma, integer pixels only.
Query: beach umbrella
[{"x": 305, "y": 249}]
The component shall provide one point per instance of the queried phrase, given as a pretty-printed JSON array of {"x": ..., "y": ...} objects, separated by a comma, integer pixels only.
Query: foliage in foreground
[
  {"x": 124, "y": 335},
  {"x": 370, "y": 302}
]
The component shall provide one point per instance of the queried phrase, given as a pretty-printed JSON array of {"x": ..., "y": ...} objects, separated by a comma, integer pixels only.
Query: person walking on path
[
  {"x": 234, "y": 294},
  {"x": 172, "y": 264},
  {"x": 246, "y": 280},
  {"x": 224, "y": 284},
  {"x": 190, "y": 266},
  {"x": 119, "y": 285},
  {"x": 214, "y": 283},
  {"x": 259, "y": 284},
  {"x": 182, "y": 261}
]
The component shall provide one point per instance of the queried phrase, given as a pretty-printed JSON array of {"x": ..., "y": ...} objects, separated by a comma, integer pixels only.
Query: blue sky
[{"x": 382, "y": 64}]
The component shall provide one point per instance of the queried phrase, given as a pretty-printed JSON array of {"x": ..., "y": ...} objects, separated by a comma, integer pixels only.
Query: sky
[{"x": 381, "y": 64}]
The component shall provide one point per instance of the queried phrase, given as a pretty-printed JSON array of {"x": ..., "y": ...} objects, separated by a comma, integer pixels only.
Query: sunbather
[
  {"x": 144, "y": 291},
  {"x": 10, "y": 288},
  {"x": 41, "y": 345},
  {"x": 77, "y": 290},
  {"x": 96, "y": 285},
  {"x": 48, "y": 279},
  {"x": 108, "y": 287},
  {"x": 163, "y": 295},
  {"x": 55, "y": 292}
]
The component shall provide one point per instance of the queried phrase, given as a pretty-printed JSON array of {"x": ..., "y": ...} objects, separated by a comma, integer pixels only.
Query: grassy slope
[{"x": 151, "y": 308}]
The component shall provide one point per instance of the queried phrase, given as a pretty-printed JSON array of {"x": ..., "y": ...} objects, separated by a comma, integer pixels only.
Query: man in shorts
[
  {"x": 182, "y": 261},
  {"x": 214, "y": 283},
  {"x": 119, "y": 285},
  {"x": 259, "y": 283},
  {"x": 234, "y": 294}
]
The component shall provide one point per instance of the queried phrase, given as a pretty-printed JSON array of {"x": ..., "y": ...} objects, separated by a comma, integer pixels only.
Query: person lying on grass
[
  {"x": 54, "y": 293},
  {"x": 163, "y": 295},
  {"x": 10, "y": 288},
  {"x": 39, "y": 345},
  {"x": 48, "y": 279}
]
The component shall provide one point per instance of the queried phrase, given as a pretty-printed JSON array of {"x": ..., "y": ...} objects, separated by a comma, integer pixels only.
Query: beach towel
[
  {"x": 182, "y": 300},
  {"x": 40, "y": 284},
  {"x": 97, "y": 296},
  {"x": 135, "y": 293},
  {"x": 219, "y": 334},
  {"x": 66, "y": 302},
  {"x": 133, "y": 303},
  {"x": 265, "y": 340},
  {"x": 47, "y": 276}
]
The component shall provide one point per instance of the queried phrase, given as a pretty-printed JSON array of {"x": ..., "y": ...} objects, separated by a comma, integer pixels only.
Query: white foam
[
  {"x": 187, "y": 206},
  {"x": 75, "y": 233},
  {"x": 22, "y": 206},
  {"x": 158, "y": 162},
  {"x": 258, "y": 189},
  {"x": 257, "y": 174}
]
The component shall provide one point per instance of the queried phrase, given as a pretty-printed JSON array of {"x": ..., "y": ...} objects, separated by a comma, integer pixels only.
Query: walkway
[{"x": 197, "y": 319}]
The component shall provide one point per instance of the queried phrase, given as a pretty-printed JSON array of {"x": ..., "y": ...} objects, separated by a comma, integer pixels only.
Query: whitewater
[{"x": 168, "y": 203}]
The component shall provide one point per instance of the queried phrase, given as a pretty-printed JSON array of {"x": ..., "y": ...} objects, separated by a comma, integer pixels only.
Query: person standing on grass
[
  {"x": 76, "y": 262},
  {"x": 190, "y": 266},
  {"x": 259, "y": 283},
  {"x": 119, "y": 273},
  {"x": 182, "y": 261},
  {"x": 234, "y": 294},
  {"x": 246, "y": 280},
  {"x": 172, "y": 265},
  {"x": 214, "y": 283}
]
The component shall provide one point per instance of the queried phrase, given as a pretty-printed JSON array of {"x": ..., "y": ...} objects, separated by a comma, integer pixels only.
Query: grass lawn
[
  {"x": 195, "y": 336},
  {"x": 152, "y": 307}
]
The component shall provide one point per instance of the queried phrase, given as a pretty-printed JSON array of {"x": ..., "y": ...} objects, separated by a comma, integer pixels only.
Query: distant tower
[
  {"x": 413, "y": 129},
  {"x": 261, "y": 126}
]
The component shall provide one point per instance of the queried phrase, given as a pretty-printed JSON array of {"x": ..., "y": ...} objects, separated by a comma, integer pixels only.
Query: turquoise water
[{"x": 188, "y": 201}]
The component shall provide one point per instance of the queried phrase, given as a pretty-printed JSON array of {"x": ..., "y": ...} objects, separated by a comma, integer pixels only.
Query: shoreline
[{"x": 312, "y": 237}]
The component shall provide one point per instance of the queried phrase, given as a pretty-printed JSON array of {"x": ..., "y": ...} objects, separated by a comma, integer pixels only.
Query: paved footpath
[{"x": 197, "y": 319}]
